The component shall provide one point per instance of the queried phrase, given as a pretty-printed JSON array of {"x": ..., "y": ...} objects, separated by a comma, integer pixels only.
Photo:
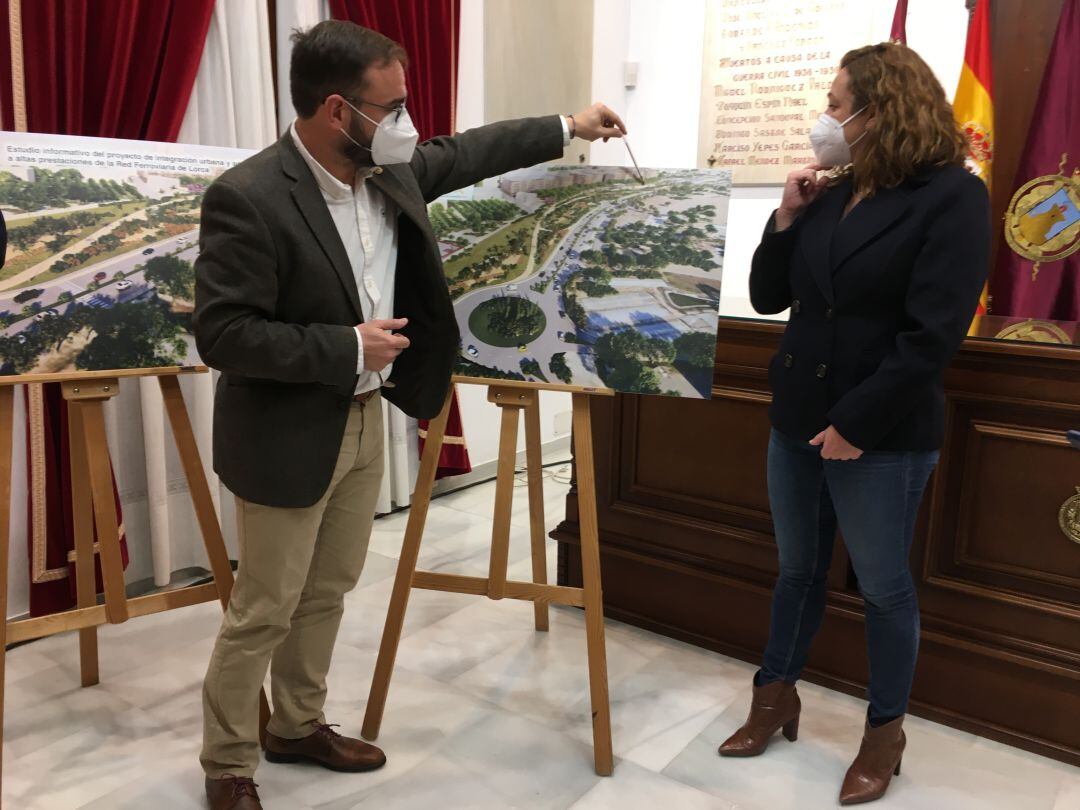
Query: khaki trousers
[{"x": 296, "y": 565}]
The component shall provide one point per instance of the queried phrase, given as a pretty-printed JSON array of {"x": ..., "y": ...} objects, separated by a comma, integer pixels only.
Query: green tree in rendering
[
  {"x": 173, "y": 276},
  {"x": 560, "y": 369},
  {"x": 133, "y": 335},
  {"x": 697, "y": 349}
]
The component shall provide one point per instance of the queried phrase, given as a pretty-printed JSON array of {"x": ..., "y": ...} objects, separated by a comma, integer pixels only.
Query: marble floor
[{"x": 483, "y": 712}]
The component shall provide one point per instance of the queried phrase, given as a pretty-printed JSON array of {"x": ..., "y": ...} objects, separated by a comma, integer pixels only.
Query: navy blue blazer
[{"x": 880, "y": 302}]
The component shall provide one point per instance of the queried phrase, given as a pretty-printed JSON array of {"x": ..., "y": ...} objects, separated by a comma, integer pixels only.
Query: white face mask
[
  {"x": 394, "y": 140},
  {"x": 827, "y": 137}
]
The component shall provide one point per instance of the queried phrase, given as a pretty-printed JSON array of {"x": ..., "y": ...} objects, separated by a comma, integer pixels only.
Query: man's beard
[{"x": 354, "y": 152}]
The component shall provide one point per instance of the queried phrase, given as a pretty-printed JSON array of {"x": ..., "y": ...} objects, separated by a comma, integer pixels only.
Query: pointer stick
[{"x": 641, "y": 178}]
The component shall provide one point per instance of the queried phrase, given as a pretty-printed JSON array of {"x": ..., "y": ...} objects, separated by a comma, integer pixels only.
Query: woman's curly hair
[{"x": 913, "y": 128}]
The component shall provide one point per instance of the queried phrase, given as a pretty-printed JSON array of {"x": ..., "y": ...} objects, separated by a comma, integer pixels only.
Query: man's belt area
[{"x": 364, "y": 397}]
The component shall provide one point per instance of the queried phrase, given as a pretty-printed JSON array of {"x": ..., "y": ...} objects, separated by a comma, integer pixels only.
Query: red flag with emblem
[{"x": 1038, "y": 268}]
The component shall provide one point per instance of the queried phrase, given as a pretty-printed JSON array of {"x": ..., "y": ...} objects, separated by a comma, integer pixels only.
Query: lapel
[
  {"x": 387, "y": 180},
  {"x": 817, "y": 235},
  {"x": 866, "y": 221},
  {"x": 309, "y": 200}
]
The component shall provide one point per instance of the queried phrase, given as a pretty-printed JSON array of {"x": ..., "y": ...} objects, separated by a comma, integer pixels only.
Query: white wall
[
  {"x": 479, "y": 417},
  {"x": 661, "y": 113}
]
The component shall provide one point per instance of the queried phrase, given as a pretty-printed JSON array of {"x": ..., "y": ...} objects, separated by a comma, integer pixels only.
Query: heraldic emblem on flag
[
  {"x": 980, "y": 150},
  {"x": 1042, "y": 222}
]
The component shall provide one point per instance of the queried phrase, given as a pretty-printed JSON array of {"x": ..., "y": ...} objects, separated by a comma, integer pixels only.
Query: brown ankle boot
[
  {"x": 879, "y": 759},
  {"x": 775, "y": 705}
]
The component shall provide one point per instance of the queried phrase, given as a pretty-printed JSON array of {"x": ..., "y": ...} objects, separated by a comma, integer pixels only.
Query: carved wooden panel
[
  {"x": 994, "y": 567},
  {"x": 657, "y": 469},
  {"x": 1007, "y": 493},
  {"x": 690, "y": 483}
]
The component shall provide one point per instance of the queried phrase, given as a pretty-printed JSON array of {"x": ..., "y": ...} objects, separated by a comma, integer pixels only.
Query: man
[{"x": 318, "y": 286}]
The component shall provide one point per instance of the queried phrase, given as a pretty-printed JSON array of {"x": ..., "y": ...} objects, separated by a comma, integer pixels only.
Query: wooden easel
[
  {"x": 93, "y": 507},
  {"x": 513, "y": 398}
]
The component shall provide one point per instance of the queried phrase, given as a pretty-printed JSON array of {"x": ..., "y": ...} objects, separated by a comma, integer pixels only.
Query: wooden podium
[{"x": 513, "y": 398}]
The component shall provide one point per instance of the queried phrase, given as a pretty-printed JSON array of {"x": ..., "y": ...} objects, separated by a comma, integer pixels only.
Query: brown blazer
[{"x": 276, "y": 303}]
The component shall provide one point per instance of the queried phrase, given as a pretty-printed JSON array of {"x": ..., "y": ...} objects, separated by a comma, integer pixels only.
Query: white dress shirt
[{"x": 366, "y": 221}]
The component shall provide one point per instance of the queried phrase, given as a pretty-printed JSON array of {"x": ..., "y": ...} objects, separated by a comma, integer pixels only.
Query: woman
[{"x": 881, "y": 263}]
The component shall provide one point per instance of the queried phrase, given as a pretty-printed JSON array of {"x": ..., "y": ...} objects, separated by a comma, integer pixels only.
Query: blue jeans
[{"x": 874, "y": 501}]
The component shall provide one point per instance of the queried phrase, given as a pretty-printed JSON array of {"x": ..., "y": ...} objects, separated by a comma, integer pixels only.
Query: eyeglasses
[{"x": 395, "y": 111}]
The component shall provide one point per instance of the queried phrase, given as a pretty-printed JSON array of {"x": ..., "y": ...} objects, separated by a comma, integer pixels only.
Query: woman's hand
[
  {"x": 835, "y": 447},
  {"x": 801, "y": 188}
]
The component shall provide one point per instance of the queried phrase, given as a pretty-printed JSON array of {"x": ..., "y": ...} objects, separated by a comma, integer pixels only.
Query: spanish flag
[{"x": 973, "y": 106}]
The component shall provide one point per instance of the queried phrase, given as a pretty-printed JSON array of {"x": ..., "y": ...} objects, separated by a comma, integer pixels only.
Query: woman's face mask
[{"x": 827, "y": 137}]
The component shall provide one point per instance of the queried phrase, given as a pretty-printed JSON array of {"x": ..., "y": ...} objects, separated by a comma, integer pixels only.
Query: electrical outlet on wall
[{"x": 563, "y": 422}]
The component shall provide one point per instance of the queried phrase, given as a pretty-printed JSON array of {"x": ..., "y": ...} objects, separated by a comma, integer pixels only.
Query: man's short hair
[{"x": 332, "y": 57}]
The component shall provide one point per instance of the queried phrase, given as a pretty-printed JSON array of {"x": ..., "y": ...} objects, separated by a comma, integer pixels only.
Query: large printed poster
[
  {"x": 590, "y": 276},
  {"x": 586, "y": 276},
  {"x": 102, "y": 236}
]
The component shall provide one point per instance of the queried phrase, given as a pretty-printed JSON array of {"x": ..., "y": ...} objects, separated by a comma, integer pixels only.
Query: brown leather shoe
[
  {"x": 327, "y": 748},
  {"x": 775, "y": 705},
  {"x": 878, "y": 761},
  {"x": 232, "y": 793}
]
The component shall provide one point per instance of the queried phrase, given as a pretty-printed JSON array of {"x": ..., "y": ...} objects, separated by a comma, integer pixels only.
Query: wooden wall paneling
[
  {"x": 1008, "y": 510},
  {"x": 999, "y": 654}
]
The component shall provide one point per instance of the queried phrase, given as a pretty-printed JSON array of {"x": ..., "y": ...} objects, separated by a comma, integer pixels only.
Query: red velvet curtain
[
  {"x": 104, "y": 68},
  {"x": 428, "y": 29},
  {"x": 109, "y": 68},
  {"x": 7, "y": 116}
]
